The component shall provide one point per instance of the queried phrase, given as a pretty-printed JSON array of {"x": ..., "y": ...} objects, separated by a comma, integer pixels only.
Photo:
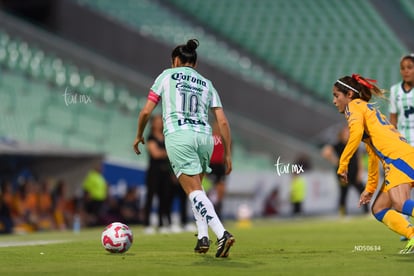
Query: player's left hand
[{"x": 136, "y": 142}]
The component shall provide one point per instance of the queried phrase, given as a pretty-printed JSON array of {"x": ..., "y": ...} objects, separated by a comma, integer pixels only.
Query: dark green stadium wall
[{"x": 141, "y": 53}]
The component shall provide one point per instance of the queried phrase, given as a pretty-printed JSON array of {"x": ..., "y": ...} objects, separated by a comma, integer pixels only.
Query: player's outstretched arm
[
  {"x": 225, "y": 133},
  {"x": 143, "y": 118}
]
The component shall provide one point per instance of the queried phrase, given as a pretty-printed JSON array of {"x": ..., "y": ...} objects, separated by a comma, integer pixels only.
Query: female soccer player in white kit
[
  {"x": 401, "y": 107},
  {"x": 402, "y": 100},
  {"x": 187, "y": 97}
]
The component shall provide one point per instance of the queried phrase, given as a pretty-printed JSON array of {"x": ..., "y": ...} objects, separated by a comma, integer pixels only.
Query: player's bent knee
[{"x": 375, "y": 208}]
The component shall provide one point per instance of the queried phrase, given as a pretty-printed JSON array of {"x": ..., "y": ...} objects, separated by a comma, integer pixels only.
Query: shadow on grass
[
  {"x": 120, "y": 255},
  {"x": 212, "y": 261},
  {"x": 406, "y": 258}
]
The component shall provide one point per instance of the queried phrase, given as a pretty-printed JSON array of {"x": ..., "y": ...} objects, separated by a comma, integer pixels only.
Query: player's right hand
[
  {"x": 365, "y": 198},
  {"x": 228, "y": 163},
  {"x": 135, "y": 144},
  {"x": 343, "y": 178}
]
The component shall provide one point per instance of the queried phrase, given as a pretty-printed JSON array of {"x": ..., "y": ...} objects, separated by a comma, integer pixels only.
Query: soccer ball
[{"x": 117, "y": 238}]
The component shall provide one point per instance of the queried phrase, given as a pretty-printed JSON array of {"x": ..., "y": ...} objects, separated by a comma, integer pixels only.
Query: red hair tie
[{"x": 364, "y": 82}]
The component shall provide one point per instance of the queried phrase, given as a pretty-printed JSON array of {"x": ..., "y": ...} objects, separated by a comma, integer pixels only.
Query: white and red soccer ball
[{"x": 117, "y": 238}]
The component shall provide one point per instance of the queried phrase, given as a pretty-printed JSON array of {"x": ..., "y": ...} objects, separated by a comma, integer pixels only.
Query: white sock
[
  {"x": 202, "y": 227},
  {"x": 204, "y": 211}
]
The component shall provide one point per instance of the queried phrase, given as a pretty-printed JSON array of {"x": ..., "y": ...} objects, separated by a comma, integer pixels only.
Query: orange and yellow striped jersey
[{"x": 383, "y": 141}]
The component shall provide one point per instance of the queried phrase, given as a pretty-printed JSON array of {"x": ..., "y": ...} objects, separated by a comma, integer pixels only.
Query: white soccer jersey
[
  {"x": 402, "y": 103},
  {"x": 186, "y": 99}
]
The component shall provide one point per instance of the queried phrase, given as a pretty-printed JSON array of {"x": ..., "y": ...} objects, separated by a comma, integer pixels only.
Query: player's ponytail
[
  {"x": 186, "y": 52},
  {"x": 363, "y": 88}
]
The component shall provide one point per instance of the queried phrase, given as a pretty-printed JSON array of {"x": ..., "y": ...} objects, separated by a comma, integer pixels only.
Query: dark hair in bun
[
  {"x": 192, "y": 45},
  {"x": 186, "y": 52}
]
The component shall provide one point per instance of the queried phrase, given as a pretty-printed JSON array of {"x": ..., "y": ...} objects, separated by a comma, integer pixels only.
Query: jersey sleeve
[
  {"x": 373, "y": 170},
  {"x": 355, "y": 119},
  {"x": 157, "y": 86},
  {"x": 215, "y": 98},
  {"x": 154, "y": 97},
  {"x": 393, "y": 105}
]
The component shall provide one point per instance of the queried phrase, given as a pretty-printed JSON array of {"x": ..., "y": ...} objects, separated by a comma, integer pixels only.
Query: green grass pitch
[{"x": 304, "y": 246}]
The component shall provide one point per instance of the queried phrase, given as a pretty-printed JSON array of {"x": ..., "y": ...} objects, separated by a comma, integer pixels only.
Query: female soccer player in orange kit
[{"x": 384, "y": 143}]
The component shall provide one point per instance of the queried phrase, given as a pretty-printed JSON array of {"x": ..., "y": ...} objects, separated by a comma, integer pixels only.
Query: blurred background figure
[
  {"x": 218, "y": 169},
  {"x": 271, "y": 204},
  {"x": 298, "y": 184},
  {"x": 355, "y": 169},
  {"x": 95, "y": 194},
  {"x": 6, "y": 220},
  {"x": 130, "y": 207},
  {"x": 45, "y": 205},
  {"x": 183, "y": 224},
  {"x": 111, "y": 210},
  {"x": 159, "y": 178},
  {"x": 244, "y": 216},
  {"x": 63, "y": 207},
  {"x": 26, "y": 207},
  {"x": 297, "y": 194}
]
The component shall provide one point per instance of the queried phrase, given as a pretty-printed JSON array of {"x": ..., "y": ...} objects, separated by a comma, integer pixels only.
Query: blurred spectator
[
  {"x": 355, "y": 168},
  {"x": 159, "y": 179},
  {"x": 183, "y": 205},
  {"x": 6, "y": 221},
  {"x": 8, "y": 195},
  {"x": 63, "y": 208},
  {"x": 25, "y": 202},
  {"x": 95, "y": 194},
  {"x": 298, "y": 185},
  {"x": 111, "y": 211},
  {"x": 45, "y": 211},
  {"x": 130, "y": 207},
  {"x": 218, "y": 173},
  {"x": 297, "y": 194},
  {"x": 271, "y": 204}
]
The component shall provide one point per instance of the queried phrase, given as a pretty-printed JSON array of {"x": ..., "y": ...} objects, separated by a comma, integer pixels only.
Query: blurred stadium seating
[
  {"x": 311, "y": 43},
  {"x": 408, "y": 6},
  {"x": 152, "y": 18},
  {"x": 48, "y": 99},
  {"x": 314, "y": 42}
]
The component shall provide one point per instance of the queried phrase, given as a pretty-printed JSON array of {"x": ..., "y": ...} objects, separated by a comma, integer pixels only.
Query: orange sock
[{"x": 397, "y": 223}]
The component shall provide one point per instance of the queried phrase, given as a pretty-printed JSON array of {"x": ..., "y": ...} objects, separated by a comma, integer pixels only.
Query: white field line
[{"x": 28, "y": 243}]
